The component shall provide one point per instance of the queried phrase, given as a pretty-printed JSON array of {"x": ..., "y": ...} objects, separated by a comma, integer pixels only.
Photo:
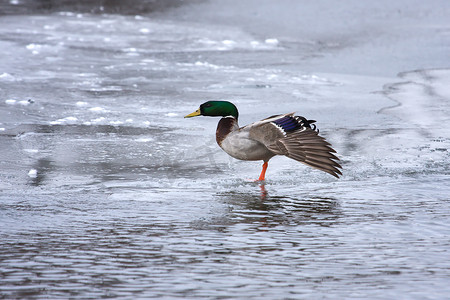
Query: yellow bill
[{"x": 194, "y": 114}]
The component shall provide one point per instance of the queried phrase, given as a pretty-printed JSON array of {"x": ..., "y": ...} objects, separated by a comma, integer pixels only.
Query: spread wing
[{"x": 296, "y": 138}]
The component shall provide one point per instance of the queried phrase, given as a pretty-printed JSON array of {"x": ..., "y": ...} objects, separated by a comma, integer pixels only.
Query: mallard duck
[{"x": 286, "y": 134}]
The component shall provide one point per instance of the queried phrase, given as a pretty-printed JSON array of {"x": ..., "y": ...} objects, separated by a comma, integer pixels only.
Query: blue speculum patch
[{"x": 288, "y": 124}]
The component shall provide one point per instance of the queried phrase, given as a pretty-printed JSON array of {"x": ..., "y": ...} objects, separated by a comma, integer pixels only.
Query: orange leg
[{"x": 263, "y": 172}]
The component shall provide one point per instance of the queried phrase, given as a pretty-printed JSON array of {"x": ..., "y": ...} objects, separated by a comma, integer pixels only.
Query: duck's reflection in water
[
  {"x": 262, "y": 187},
  {"x": 263, "y": 209}
]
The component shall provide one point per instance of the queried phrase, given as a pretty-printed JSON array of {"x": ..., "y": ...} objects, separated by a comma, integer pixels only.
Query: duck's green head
[{"x": 215, "y": 109}]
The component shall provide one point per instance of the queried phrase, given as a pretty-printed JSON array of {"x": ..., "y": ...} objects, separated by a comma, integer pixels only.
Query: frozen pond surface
[{"x": 106, "y": 191}]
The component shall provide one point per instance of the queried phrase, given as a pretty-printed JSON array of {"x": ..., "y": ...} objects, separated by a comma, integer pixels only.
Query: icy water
[{"x": 106, "y": 191}]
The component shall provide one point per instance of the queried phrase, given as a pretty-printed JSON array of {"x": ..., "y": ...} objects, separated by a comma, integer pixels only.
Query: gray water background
[{"x": 106, "y": 191}]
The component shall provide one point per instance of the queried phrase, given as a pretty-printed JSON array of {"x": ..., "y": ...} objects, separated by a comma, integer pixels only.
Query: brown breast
[{"x": 225, "y": 126}]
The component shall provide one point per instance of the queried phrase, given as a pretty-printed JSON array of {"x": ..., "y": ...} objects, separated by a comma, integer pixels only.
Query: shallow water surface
[{"x": 106, "y": 191}]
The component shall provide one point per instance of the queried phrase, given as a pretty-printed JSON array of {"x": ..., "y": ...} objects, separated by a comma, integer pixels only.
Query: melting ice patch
[
  {"x": 418, "y": 141},
  {"x": 245, "y": 43},
  {"x": 7, "y": 77},
  {"x": 116, "y": 123},
  {"x": 19, "y": 102},
  {"x": 34, "y": 48},
  {"x": 206, "y": 64},
  {"x": 423, "y": 100},
  {"x": 271, "y": 41},
  {"x": 144, "y": 140},
  {"x": 81, "y": 104},
  {"x": 31, "y": 150},
  {"x": 144, "y": 30},
  {"x": 131, "y": 51},
  {"x": 97, "y": 109},
  {"x": 65, "y": 121},
  {"x": 32, "y": 173},
  {"x": 10, "y": 101}
]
